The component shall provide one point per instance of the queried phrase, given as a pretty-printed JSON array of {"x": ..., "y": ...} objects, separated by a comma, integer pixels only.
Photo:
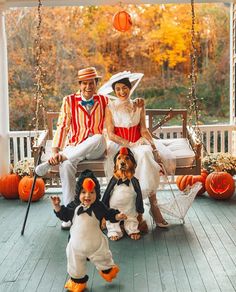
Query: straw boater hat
[
  {"x": 87, "y": 74},
  {"x": 134, "y": 79}
]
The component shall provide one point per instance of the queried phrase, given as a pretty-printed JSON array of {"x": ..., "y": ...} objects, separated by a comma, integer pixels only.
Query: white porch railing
[
  {"x": 20, "y": 145},
  {"x": 217, "y": 138}
]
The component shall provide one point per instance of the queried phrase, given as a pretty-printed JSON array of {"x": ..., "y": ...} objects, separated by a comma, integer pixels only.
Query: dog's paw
[
  {"x": 135, "y": 236},
  {"x": 114, "y": 238},
  {"x": 142, "y": 224}
]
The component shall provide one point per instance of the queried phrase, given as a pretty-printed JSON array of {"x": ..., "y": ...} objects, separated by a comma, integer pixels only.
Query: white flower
[
  {"x": 220, "y": 162},
  {"x": 24, "y": 167}
]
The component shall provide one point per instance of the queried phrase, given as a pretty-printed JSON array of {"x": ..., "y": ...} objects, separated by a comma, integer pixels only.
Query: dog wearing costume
[
  {"x": 87, "y": 241},
  {"x": 123, "y": 193}
]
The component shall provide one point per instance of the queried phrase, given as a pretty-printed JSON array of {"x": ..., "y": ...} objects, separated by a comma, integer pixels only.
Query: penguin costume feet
[
  {"x": 111, "y": 274},
  {"x": 75, "y": 287}
]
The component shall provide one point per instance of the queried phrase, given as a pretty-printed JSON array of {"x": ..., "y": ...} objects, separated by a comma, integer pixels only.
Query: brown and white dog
[{"x": 123, "y": 193}]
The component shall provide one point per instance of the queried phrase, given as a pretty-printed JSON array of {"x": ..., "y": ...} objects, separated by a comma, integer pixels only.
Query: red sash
[{"x": 131, "y": 134}]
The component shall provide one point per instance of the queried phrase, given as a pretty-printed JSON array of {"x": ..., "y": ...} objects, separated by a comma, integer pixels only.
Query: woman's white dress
[{"x": 147, "y": 170}]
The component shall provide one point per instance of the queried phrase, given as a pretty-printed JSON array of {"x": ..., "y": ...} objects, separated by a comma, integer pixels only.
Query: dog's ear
[{"x": 115, "y": 171}]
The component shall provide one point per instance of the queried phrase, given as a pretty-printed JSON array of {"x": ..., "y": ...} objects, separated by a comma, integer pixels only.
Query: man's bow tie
[
  {"x": 87, "y": 102},
  {"x": 84, "y": 210},
  {"x": 126, "y": 182}
]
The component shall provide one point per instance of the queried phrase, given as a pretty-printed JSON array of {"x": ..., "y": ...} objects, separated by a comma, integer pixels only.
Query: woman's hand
[
  {"x": 157, "y": 156},
  {"x": 121, "y": 216},
  {"x": 55, "y": 200},
  {"x": 138, "y": 102}
]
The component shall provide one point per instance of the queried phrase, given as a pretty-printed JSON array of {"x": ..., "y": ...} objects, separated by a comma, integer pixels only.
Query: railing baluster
[
  {"x": 229, "y": 141},
  {"x": 28, "y": 146},
  {"x": 222, "y": 141},
  {"x": 208, "y": 141},
  {"x": 22, "y": 154},
  {"x": 215, "y": 141},
  {"x": 15, "y": 152}
]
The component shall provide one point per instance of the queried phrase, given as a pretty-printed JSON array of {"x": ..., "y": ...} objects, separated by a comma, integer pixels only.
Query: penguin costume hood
[{"x": 87, "y": 179}]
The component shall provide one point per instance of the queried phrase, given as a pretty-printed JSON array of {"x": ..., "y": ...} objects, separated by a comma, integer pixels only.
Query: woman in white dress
[{"x": 126, "y": 126}]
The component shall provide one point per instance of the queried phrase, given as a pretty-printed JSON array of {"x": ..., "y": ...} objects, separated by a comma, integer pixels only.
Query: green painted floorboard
[{"x": 197, "y": 256}]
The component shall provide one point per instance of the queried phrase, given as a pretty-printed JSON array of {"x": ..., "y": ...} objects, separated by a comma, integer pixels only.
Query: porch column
[
  {"x": 4, "y": 102},
  {"x": 233, "y": 73}
]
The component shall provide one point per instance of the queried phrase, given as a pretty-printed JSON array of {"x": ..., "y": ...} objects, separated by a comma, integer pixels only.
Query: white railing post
[{"x": 4, "y": 104}]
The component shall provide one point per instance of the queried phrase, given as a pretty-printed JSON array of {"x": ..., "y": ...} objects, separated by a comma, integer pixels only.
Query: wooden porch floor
[{"x": 197, "y": 256}]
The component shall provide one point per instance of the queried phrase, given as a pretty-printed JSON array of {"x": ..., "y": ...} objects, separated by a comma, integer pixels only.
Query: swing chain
[
  {"x": 193, "y": 99},
  {"x": 39, "y": 75}
]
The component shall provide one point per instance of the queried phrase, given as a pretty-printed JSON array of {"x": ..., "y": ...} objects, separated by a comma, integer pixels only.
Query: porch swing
[{"x": 187, "y": 147}]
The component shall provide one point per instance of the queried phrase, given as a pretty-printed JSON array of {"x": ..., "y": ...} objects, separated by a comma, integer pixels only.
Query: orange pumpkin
[
  {"x": 183, "y": 181},
  {"x": 25, "y": 186},
  {"x": 122, "y": 21},
  {"x": 220, "y": 185},
  {"x": 9, "y": 186}
]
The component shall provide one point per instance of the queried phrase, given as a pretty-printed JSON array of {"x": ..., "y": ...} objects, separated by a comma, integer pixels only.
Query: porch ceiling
[{"x": 27, "y": 3}]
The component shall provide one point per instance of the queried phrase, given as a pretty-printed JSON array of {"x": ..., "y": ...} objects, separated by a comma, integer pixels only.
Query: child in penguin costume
[
  {"x": 87, "y": 241},
  {"x": 124, "y": 193}
]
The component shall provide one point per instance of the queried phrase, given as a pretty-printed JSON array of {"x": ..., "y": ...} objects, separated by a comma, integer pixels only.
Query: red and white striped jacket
[{"x": 75, "y": 123}]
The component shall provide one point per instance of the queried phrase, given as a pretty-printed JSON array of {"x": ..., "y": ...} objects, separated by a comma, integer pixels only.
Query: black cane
[{"x": 32, "y": 191}]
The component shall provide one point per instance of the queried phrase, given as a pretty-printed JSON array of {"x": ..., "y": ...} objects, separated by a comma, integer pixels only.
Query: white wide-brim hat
[{"x": 134, "y": 79}]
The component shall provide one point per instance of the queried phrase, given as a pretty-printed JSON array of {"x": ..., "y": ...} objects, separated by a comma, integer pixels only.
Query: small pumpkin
[
  {"x": 220, "y": 185},
  {"x": 25, "y": 186},
  {"x": 183, "y": 181},
  {"x": 9, "y": 186}
]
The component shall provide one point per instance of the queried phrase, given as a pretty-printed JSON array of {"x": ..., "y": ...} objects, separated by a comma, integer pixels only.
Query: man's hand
[
  {"x": 121, "y": 216},
  {"x": 55, "y": 200},
  {"x": 56, "y": 159}
]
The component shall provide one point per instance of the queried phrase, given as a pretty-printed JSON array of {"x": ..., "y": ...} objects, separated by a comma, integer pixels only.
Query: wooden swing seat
[{"x": 185, "y": 148}]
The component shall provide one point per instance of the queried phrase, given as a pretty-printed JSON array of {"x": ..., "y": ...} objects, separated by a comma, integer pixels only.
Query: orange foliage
[{"x": 75, "y": 37}]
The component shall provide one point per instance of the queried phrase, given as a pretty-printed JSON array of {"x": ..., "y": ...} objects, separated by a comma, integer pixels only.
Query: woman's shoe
[{"x": 162, "y": 224}]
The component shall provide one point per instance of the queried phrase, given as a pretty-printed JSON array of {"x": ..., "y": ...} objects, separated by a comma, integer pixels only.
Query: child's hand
[
  {"x": 55, "y": 200},
  {"x": 121, "y": 216}
]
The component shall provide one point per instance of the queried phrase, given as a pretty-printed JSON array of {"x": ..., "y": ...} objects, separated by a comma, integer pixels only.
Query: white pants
[
  {"x": 77, "y": 263},
  {"x": 92, "y": 148}
]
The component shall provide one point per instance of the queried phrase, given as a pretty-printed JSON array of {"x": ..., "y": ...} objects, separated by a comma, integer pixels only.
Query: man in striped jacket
[{"x": 79, "y": 133}]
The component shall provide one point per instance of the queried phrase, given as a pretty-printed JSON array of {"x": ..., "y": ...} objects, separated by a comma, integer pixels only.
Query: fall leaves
[{"x": 74, "y": 37}]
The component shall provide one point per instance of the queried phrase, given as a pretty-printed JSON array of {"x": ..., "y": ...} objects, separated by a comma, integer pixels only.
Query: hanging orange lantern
[
  {"x": 220, "y": 185},
  {"x": 122, "y": 21}
]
